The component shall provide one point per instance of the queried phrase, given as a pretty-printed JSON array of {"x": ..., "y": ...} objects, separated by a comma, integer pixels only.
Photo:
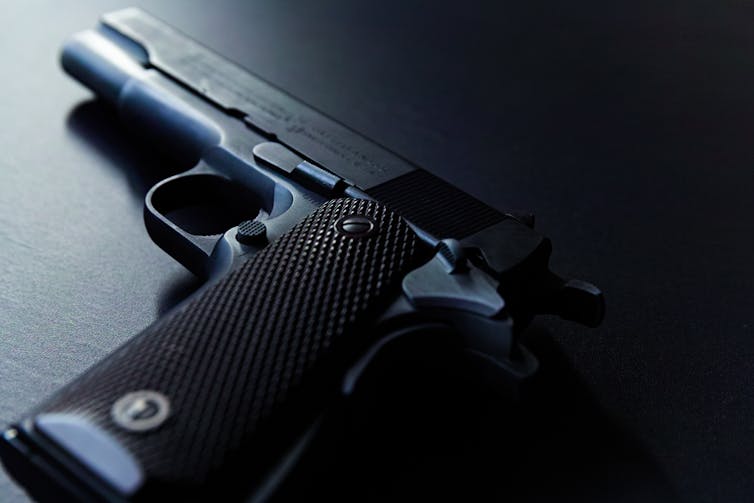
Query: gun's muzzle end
[{"x": 99, "y": 63}]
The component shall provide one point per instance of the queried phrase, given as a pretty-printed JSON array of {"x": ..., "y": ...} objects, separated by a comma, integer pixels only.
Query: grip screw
[{"x": 356, "y": 226}]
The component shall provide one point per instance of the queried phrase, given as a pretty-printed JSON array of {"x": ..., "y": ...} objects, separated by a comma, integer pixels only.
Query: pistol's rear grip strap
[{"x": 233, "y": 358}]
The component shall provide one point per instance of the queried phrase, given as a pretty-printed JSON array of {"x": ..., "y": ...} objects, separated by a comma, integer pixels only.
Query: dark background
[{"x": 625, "y": 126}]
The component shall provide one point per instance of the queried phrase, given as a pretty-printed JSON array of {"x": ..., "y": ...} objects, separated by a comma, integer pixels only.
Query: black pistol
[{"x": 333, "y": 249}]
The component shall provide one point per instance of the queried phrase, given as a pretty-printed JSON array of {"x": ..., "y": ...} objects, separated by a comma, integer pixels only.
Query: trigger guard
[{"x": 192, "y": 251}]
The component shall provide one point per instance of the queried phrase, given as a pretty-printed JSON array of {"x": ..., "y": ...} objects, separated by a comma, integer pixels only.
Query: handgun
[{"x": 329, "y": 249}]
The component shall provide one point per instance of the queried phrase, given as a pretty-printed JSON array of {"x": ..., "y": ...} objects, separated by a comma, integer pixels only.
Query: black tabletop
[{"x": 625, "y": 126}]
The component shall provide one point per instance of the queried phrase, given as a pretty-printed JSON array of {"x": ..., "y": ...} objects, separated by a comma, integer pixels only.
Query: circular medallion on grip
[
  {"x": 141, "y": 410},
  {"x": 356, "y": 226}
]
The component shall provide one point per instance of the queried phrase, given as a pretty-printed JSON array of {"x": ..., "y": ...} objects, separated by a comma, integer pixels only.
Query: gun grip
[{"x": 248, "y": 363}]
